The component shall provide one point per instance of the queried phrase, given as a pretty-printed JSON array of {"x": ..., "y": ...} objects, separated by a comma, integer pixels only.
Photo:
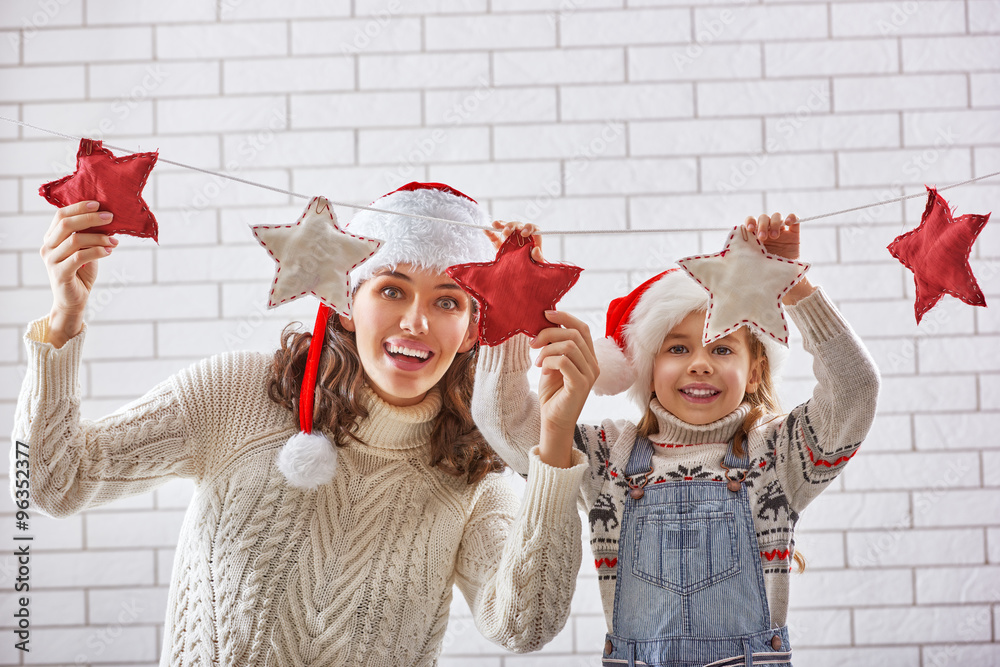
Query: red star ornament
[
  {"x": 513, "y": 290},
  {"x": 745, "y": 284},
  {"x": 115, "y": 182},
  {"x": 314, "y": 256},
  {"x": 937, "y": 252}
]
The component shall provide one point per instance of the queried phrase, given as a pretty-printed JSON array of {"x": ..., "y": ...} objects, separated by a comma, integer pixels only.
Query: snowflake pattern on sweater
[{"x": 792, "y": 459}]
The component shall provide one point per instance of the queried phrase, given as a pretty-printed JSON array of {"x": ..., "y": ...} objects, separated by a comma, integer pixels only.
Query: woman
[{"x": 358, "y": 569}]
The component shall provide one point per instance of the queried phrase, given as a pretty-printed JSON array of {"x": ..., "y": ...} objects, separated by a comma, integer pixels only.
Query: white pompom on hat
[
  {"x": 309, "y": 459},
  {"x": 638, "y": 322}
]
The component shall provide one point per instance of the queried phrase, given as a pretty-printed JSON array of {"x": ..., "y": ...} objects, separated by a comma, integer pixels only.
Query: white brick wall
[{"x": 575, "y": 114}]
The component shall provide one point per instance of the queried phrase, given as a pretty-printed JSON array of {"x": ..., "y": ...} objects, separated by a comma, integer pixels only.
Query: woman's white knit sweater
[{"x": 357, "y": 572}]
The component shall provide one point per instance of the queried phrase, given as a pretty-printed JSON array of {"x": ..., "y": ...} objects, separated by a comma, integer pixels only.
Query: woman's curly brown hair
[{"x": 457, "y": 447}]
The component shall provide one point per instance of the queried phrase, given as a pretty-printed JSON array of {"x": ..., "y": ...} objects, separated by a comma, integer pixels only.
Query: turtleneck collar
[
  {"x": 393, "y": 428},
  {"x": 676, "y": 432}
]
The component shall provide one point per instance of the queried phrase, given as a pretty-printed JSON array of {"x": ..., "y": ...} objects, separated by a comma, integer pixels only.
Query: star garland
[
  {"x": 937, "y": 252},
  {"x": 115, "y": 182},
  {"x": 513, "y": 290},
  {"x": 745, "y": 284},
  {"x": 314, "y": 256}
]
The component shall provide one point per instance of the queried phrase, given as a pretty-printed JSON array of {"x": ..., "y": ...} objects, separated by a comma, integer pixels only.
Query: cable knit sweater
[
  {"x": 357, "y": 572},
  {"x": 792, "y": 459}
]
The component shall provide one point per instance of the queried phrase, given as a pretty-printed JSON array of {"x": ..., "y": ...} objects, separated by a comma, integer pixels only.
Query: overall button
[
  {"x": 776, "y": 643},
  {"x": 733, "y": 485},
  {"x": 636, "y": 492},
  {"x": 608, "y": 647}
]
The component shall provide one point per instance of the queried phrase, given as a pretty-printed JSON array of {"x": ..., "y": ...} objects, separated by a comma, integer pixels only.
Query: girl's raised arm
[{"x": 817, "y": 439}]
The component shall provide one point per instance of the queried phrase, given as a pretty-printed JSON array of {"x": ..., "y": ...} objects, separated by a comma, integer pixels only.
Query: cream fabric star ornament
[
  {"x": 314, "y": 256},
  {"x": 745, "y": 285}
]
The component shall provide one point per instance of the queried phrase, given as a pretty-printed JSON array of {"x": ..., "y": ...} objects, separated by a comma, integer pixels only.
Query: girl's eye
[
  {"x": 723, "y": 350},
  {"x": 392, "y": 292},
  {"x": 676, "y": 349}
]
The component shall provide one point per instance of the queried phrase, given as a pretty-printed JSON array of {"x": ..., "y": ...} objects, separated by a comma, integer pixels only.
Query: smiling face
[
  {"x": 701, "y": 384},
  {"x": 409, "y": 324}
]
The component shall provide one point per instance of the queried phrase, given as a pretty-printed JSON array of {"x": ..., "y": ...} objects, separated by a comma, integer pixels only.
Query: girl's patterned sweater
[
  {"x": 792, "y": 459},
  {"x": 357, "y": 572}
]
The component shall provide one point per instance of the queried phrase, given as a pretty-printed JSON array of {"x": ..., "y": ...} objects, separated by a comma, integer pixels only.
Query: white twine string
[{"x": 553, "y": 232}]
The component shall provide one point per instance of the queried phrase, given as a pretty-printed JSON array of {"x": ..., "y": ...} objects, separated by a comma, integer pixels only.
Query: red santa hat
[
  {"x": 638, "y": 322},
  {"x": 309, "y": 459}
]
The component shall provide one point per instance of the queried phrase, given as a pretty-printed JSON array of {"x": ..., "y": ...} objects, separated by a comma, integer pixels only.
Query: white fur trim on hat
[
  {"x": 664, "y": 305},
  {"x": 423, "y": 243},
  {"x": 308, "y": 460},
  {"x": 617, "y": 374}
]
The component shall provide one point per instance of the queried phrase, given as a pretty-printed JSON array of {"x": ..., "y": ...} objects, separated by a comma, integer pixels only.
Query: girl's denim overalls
[{"x": 690, "y": 588}]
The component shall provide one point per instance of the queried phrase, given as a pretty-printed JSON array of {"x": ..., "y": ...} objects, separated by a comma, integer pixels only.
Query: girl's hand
[
  {"x": 779, "y": 237},
  {"x": 526, "y": 229},
  {"x": 569, "y": 370},
  {"x": 71, "y": 262}
]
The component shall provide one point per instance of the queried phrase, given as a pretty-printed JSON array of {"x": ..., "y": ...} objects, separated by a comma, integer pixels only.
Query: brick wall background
[{"x": 574, "y": 114}]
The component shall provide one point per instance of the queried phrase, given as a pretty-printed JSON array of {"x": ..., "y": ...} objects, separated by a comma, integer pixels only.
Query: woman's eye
[
  {"x": 448, "y": 304},
  {"x": 392, "y": 292}
]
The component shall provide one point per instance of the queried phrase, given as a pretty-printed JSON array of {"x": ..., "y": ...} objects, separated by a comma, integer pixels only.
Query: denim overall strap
[
  {"x": 641, "y": 459},
  {"x": 735, "y": 462}
]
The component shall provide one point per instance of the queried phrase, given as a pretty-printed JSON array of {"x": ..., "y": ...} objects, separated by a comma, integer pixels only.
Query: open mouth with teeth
[
  {"x": 700, "y": 395},
  {"x": 407, "y": 357}
]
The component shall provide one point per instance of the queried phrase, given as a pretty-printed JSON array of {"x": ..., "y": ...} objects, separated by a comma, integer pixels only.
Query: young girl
[
  {"x": 357, "y": 569},
  {"x": 692, "y": 510}
]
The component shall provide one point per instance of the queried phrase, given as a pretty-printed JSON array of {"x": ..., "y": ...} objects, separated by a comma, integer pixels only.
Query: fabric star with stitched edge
[
  {"x": 745, "y": 285},
  {"x": 514, "y": 290},
  {"x": 937, "y": 252},
  {"x": 115, "y": 182},
  {"x": 314, "y": 256}
]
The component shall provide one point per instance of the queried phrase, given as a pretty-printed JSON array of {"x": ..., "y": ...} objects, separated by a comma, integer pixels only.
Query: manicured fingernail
[
  {"x": 92, "y": 205},
  {"x": 114, "y": 241},
  {"x": 107, "y": 249},
  {"x": 105, "y": 215}
]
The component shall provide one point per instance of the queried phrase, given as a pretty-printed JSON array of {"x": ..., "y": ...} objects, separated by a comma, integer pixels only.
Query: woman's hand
[
  {"x": 568, "y": 363},
  {"x": 569, "y": 370},
  {"x": 71, "y": 262},
  {"x": 526, "y": 229},
  {"x": 781, "y": 238}
]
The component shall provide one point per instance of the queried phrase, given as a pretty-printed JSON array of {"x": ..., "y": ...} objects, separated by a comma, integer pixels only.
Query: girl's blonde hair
[
  {"x": 763, "y": 402},
  {"x": 456, "y": 445}
]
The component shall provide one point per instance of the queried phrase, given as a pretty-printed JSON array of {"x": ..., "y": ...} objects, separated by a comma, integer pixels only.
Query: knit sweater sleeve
[
  {"x": 503, "y": 405},
  {"x": 517, "y": 568},
  {"x": 508, "y": 415},
  {"x": 77, "y": 463},
  {"x": 817, "y": 439}
]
